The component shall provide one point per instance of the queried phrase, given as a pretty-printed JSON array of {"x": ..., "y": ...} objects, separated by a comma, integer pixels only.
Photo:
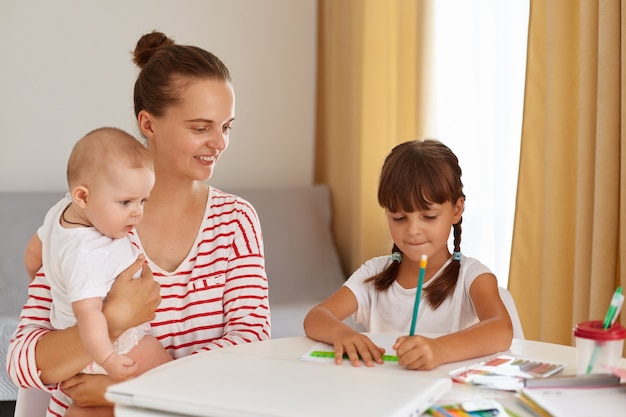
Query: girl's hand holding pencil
[{"x": 418, "y": 352}]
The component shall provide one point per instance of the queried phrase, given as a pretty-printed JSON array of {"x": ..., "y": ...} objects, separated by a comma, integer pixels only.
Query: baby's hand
[
  {"x": 119, "y": 367},
  {"x": 357, "y": 347},
  {"x": 418, "y": 352}
]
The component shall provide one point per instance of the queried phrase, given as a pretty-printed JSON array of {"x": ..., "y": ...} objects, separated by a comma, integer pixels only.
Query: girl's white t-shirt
[{"x": 392, "y": 310}]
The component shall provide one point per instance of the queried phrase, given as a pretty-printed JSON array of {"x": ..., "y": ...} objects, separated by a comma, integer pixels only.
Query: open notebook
[{"x": 220, "y": 384}]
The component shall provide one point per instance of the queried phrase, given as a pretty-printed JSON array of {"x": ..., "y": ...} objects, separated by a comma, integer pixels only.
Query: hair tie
[
  {"x": 396, "y": 256},
  {"x": 456, "y": 256}
]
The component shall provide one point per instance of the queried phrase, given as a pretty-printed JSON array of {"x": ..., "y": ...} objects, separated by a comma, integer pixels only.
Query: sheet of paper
[{"x": 580, "y": 402}]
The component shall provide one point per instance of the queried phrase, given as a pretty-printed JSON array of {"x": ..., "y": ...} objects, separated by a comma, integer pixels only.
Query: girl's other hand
[
  {"x": 358, "y": 347},
  {"x": 132, "y": 301},
  {"x": 418, "y": 352}
]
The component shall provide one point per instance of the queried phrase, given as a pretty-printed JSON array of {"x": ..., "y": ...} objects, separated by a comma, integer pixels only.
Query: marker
[
  {"x": 616, "y": 305},
  {"x": 326, "y": 354},
  {"x": 609, "y": 320},
  {"x": 418, "y": 293}
]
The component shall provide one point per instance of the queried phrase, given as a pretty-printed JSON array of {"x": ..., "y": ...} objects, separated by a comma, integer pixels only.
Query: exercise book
[{"x": 222, "y": 384}]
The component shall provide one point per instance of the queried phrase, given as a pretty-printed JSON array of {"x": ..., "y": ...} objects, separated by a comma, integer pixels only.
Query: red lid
[{"x": 594, "y": 330}]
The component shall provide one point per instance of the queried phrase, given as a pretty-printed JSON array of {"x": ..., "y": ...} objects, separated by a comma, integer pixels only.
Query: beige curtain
[
  {"x": 570, "y": 226},
  {"x": 372, "y": 55}
]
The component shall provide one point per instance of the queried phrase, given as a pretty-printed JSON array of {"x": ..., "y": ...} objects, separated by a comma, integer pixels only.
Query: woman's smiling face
[{"x": 191, "y": 136}]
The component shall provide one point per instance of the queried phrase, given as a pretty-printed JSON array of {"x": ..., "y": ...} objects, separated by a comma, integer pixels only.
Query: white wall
[{"x": 65, "y": 68}]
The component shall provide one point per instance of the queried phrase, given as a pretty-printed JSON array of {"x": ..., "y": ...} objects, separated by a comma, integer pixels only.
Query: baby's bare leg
[{"x": 148, "y": 353}]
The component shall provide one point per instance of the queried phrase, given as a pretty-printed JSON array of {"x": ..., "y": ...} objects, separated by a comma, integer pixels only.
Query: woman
[{"x": 203, "y": 246}]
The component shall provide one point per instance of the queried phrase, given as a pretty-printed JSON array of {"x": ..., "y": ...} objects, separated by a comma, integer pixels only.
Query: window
[{"x": 480, "y": 63}]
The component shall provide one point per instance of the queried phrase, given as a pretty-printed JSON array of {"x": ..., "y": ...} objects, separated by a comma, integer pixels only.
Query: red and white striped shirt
[{"x": 217, "y": 297}]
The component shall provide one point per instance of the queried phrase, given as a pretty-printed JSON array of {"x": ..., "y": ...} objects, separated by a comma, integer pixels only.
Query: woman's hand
[
  {"x": 131, "y": 301},
  {"x": 418, "y": 352},
  {"x": 88, "y": 390},
  {"x": 357, "y": 347}
]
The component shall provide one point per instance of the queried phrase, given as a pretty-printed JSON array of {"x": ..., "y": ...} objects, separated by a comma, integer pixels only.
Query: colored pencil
[{"x": 418, "y": 293}]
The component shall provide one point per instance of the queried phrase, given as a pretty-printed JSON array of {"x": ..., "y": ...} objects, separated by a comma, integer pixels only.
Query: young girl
[{"x": 421, "y": 191}]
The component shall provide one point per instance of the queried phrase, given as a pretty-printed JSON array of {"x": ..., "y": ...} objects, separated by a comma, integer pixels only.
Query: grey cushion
[
  {"x": 302, "y": 264},
  {"x": 20, "y": 216},
  {"x": 301, "y": 260},
  {"x": 8, "y": 391}
]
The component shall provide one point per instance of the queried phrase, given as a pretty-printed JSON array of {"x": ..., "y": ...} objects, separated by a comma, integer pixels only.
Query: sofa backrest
[
  {"x": 301, "y": 260},
  {"x": 21, "y": 213}
]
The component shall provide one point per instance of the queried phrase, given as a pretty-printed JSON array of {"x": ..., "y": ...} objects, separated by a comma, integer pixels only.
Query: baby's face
[{"x": 115, "y": 203}]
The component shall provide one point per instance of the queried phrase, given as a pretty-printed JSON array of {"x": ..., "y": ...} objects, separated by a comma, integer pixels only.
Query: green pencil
[{"x": 418, "y": 293}]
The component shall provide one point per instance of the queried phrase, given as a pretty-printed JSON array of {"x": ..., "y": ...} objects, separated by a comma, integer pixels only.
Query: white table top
[{"x": 292, "y": 348}]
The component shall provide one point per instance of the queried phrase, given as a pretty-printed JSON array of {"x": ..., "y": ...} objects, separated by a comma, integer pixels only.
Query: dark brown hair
[
  {"x": 415, "y": 175},
  {"x": 166, "y": 68}
]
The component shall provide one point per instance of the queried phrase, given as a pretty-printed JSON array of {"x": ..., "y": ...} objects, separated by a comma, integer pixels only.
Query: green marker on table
[
  {"x": 326, "y": 354},
  {"x": 616, "y": 305}
]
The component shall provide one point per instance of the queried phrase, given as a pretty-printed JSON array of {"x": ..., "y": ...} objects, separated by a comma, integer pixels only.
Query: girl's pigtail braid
[
  {"x": 385, "y": 278},
  {"x": 457, "y": 240},
  {"x": 443, "y": 286}
]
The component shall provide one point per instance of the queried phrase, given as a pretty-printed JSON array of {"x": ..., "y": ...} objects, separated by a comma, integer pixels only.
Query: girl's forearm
[
  {"x": 484, "y": 338},
  {"x": 321, "y": 325}
]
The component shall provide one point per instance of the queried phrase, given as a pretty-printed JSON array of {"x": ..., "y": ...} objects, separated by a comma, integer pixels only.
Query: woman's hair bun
[{"x": 148, "y": 45}]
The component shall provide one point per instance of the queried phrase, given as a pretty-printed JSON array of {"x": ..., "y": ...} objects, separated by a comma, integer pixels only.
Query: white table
[{"x": 294, "y": 347}]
